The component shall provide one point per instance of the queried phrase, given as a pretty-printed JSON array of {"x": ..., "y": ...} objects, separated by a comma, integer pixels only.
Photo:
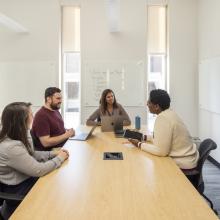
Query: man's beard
[{"x": 55, "y": 106}]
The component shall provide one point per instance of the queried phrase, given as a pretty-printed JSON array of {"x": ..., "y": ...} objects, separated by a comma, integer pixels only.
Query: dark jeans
[
  {"x": 23, "y": 188},
  {"x": 193, "y": 176},
  {"x": 193, "y": 179}
]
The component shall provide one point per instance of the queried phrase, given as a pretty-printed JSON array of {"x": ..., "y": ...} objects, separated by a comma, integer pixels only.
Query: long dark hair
[
  {"x": 14, "y": 123},
  {"x": 103, "y": 103}
]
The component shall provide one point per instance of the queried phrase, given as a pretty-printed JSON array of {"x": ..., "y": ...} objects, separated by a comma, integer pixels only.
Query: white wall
[
  {"x": 99, "y": 44},
  {"x": 209, "y": 47},
  {"x": 40, "y": 44},
  {"x": 130, "y": 43},
  {"x": 183, "y": 60},
  {"x": 42, "y": 18}
]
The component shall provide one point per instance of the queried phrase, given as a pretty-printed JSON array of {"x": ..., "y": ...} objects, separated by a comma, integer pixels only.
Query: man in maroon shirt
[{"x": 48, "y": 127}]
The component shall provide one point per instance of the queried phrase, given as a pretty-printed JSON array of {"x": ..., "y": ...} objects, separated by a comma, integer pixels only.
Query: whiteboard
[
  {"x": 125, "y": 78},
  {"x": 26, "y": 81},
  {"x": 209, "y": 85}
]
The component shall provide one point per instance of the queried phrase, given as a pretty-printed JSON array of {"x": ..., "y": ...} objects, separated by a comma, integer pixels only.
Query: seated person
[
  {"x": 170, "y": 137},
  {"x": 48, "y": 127},
  {"x": 19, "y": 163},
  {"x": 108, "y": 107}
]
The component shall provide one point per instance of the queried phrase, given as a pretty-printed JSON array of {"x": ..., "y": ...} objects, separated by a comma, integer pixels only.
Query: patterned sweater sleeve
[
  {"x": 91, "y": 121},
  {"x": 44, "y": 155},
  {"x": 125, "y": 116},
  {"x": 22, "y": 161}
]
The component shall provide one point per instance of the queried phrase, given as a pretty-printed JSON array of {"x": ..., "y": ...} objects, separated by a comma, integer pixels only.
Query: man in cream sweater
[{"x": 170, "y": 137}]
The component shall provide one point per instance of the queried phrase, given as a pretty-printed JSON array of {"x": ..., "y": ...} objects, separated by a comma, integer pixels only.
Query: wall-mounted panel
[
  {"x": 209, "y": 85},
  {"x": 126, "y": 79}
]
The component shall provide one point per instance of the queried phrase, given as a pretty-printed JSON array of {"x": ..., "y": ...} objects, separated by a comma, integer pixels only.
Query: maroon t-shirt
[{"x": 47, "y": 122}]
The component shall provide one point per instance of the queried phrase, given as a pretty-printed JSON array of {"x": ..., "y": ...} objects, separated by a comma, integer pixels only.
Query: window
[
  {"x": 156, "y": 52},
  {"x": 71, "y": 65},
  {"x": 71, "y": 85},
  {"x": 156, "y": 72}
]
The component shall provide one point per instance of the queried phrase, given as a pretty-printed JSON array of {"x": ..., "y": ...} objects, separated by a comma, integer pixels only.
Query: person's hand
[
  {"x": 66, "y": 151},
  {"x": 63, "y": 154},
  {"x": 134, "y": 141},
  {"x": 70, "y": 132}
]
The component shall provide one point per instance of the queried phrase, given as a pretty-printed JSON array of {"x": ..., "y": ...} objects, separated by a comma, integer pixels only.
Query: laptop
[
  {"x": 107, "y": 123},
  {"x": 112, "y": 123},
  {"x": 118, "y": 129},
  {"x": 84, "y": 135}
]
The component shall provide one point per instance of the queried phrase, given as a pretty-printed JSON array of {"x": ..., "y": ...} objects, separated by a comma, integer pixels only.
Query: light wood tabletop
[{"x": 86, "y": 187}]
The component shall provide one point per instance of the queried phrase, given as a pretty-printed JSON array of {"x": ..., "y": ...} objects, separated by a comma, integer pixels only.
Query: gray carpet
[{"x": 211, "y": 176}]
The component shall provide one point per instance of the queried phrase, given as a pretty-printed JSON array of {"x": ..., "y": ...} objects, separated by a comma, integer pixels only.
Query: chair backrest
[{"x": 204, "y": 150}]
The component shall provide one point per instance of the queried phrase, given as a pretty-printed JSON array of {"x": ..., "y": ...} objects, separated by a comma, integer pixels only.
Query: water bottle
[{"x": 137, "y": 123}]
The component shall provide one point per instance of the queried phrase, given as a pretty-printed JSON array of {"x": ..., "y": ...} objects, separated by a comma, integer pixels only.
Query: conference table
[{"x": 86, "y": 187}]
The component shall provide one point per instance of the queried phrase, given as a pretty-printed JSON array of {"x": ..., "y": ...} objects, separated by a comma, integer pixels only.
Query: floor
[{"x": 211, "y": 175}]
